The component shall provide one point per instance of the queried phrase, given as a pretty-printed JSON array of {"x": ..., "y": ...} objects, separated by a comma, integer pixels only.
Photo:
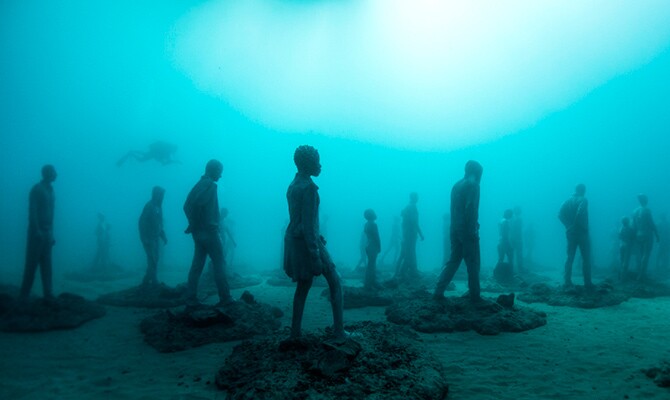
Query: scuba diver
[{"x": 159, "y": 151}]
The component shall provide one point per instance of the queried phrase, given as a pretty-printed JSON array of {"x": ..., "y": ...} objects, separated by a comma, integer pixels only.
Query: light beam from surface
[{"x": 423, "y": 74}]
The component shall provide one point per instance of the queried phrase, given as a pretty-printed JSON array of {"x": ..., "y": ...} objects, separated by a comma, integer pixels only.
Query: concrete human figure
[
  {"x": 203, "y": 214},
  {"x": 372, "y": 249},
  {"x": 305, "y": 254},
  {"x": 159, "y": 151},
  {"x": 645, "y": 232},
  {"x": 103, "y": 240},
  {"x": 40, "y": 235},
  {"x": 505, "y": 248},
  {"x": 151, "y": 233},
  {"x": 516, "y": 238},
  {"x": 574, "y": 214},
  {"x": 663, "y": 254},
  {"x": 464, "y": 235},
  {"x": 394, "y": 241},
  {"x": 626, "y": 243},
  {"x": 406, "y": 268}
]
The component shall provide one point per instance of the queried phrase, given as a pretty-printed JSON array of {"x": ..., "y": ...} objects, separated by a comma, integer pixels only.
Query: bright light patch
[{"x": 425, "y": 74}]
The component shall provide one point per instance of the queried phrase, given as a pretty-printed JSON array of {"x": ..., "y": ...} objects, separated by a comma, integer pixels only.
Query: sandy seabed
[{"x": 579, "y": 354}]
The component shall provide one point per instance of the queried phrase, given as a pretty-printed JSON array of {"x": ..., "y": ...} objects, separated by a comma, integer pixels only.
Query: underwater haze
[{"x": 396, "y": 96}]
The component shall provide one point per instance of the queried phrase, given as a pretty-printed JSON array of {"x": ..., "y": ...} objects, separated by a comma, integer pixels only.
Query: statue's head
[
  {"x": 625, "y": 221},
  {"x": 307, "y": 160},
  {"x": 413, "y": 197},
  {"x": 369, "y": 214},
  {"x": 214, "y": 169},
  {"x": 580, "y": 189},
  {"x": 643, "y": 199},
  {"x": 157, "y": 194},
  {"x": 474, "y": 169},
  {"x": 49, "y": 173},
  {"x": 508, "y": 214}
]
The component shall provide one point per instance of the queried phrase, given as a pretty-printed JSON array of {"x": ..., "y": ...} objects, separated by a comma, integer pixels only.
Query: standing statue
[
  {"x": 40, "y": 235},
  {"x": 574, "y": 214},
  {"x": 464, "y": 233},
  {"x": 151, "y": 232},
  {"x": 505, "y": 247},
  {"x": 645, "y": 231},
  {"x": 226, "y": 234},
  {"x": 372, "y": 249},
  {"x": 305, "y": 254},
  {"x": 102, "y": 234},
  {"x": 406, "y": 268},
  {"x": 202, "y": 211}
]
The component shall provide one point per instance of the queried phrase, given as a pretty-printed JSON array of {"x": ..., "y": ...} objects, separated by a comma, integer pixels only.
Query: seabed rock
[
  {"x": 382, "y": 362},
  {"x": 645, "y": 289},
  {"x": 660, "y": 375},
  {"x": 159, "y": 296},
  {"x": 67, "y": 311},
  {"x": 169, "y": 332},
  {"x": 113, "y": 273},
  {"x": 518, "y": 282},
  {"x": 602, "y": 295},
  {"x": 451, "y": 314}
]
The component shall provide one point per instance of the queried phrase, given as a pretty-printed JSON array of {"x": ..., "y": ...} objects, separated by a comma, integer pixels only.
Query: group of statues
[
  {"x": 637, "y": 235},
  {"x": 305, "y": 255}
]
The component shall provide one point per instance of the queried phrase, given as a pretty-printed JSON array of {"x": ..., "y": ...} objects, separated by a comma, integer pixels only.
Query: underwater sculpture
[
  {"x": 102, "y": 234},
  {"x": 226, "y": 233},
  {"x": 305, "y": 254},
  {"x": 645, "y": 231},
  {"x": 159, "y": 151},
  {"x": 372, "y": 249},
  {"x": 202, "y": 211},
  {"x": 407, "y": 268},
  {"x": 504, "y": 271},
  {"x": 464, "y": 232},
  {"x": 505, "y": 248},
  {"x": 151, "y": 232},
  {"x": 574, "y": 215},
  {"x": 40, "y": 234}
]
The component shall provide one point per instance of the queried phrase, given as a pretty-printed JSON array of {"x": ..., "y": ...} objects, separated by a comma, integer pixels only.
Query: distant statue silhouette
[
  {"x": 464, "y": 233},
  {"x": 645, "y": 231},
  {"x": 407, "y": 268},
  {"x": 372, "y": 249},
  {"x": 505, "y": 248},
  {"x": 203, "y": 214},
  {"x": 159, "y": 151},
  {"x": 305, "y": 254},
  {"x": 40, "y": 234},
  {"x": 151, "y": 232},
  {"x": 102, "y": 234},
  {"x": 574, "y": 215}
]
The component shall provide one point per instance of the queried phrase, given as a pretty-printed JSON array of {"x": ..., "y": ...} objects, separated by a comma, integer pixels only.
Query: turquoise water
[{"x": 396, "y": 96}]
